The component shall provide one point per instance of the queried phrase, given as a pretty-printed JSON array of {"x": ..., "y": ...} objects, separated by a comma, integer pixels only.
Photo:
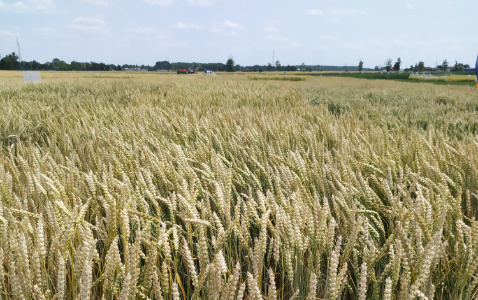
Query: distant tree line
[
  {"x": 420, "y": 67},
  {"x": 12, "y": 62}
]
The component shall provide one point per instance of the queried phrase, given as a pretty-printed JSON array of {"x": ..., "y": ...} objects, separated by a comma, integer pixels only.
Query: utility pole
[{"x": 19, "y": 54}]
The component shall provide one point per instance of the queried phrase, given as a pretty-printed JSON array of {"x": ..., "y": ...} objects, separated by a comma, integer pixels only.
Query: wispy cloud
[
  {"x": 97, "y": 2},
  {"x": 159, "y": 2},
  {"x": 409, "y": 6},
  {"x": 200, "y": 2},
  {"x": 28, "y": 6},
  {"x": 346, "y": 12},
  {"x": 228, "y": 27},
  {"x": 90, "y": 25},
  {"x": 271, "y": 27},
  {"x": 233, "y": 25},
  {"x": 8, "y": 33},
  {"x": 42, "y": 5},
  {"x": 141, "y": 30},
  {"x": 15, "y": 7},
  {"x": 335, "y": 12},
  {"x": 171, "y": 2},
  {"x": 315, "y": 12},
  {"x": 270, "y": 30},
  {"x": 184, "y": 26}
]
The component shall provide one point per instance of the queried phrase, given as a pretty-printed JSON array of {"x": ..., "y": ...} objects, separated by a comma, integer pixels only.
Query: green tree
[
  {"x": 230, "y": 65},
  {"x": 388, "y": 64},
  {"x": 396, "y": 66},
  {"x": 458, "y": 67},
  {"x": 421, "y": 66},
  {"x": 444, "y": 66},
  {"x": 10, "y": 62},
  {"x": 163, "y": 65},
  {"x": 360, "y": 65},
  {"x": 58, "y": 64},
  {"x": 302, "y": 67},
  {"x": 278, "y": 66}
]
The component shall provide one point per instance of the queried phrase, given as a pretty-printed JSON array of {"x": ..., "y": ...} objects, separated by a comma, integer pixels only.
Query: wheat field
[{"x": 125, "y": 186}]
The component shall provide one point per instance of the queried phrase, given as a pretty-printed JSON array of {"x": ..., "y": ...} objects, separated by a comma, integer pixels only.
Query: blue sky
[{"x": 314, "y": 32}]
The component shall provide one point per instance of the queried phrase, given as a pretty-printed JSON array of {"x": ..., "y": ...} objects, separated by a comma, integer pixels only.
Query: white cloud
[
  {"x": 315, "y": 12},
  {"x": 181, "y": 25},
  {"x": 159, "y": 2},
  {"x": 409, "y": 6},
  {"x": 97, "y": 2},
  {"x": 271, "y": 27},
  {"x": 200, "y": 2},
  {"x": 90, "y": 25},
  {"x": 270, "y": 30},
  {"x": 174, "y": 44},
  {"x": 340, "y": 12},
  {"x": 42, "y": 5},
  {"x": 336, "y": 12},
  {"x": 8, "y": 33},
  {"x": 16, "y": 7},
  {"x": 29, "y": 6},
  {"x": 228, "y": 27},
  {"x": 233, "y": 25},
  {"x": 171, "y": 2}
]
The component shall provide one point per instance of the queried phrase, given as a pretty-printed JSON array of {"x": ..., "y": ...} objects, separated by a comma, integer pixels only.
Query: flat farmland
[{"x": 146, "y": 186}]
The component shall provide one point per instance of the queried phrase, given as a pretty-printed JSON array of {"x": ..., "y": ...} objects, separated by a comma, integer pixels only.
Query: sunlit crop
[{"x": 201, "y": 187}]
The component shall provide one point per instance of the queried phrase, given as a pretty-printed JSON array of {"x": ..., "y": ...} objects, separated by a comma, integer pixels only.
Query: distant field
[
  {"x": 439, "y": 78},
  {"x": 144, "y": 186}
]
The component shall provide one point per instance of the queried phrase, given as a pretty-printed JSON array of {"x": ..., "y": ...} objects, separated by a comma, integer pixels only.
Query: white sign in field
[{"x": 31, "y": 76}]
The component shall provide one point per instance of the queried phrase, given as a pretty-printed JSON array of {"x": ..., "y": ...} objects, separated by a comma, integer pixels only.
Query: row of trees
[
  {"x": 418, "y": 67},
  {"x": 256, "y": 68},
  {"x": 12, "y": 62}
]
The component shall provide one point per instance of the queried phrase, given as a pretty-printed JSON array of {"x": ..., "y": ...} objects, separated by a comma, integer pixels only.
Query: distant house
[{"x": 209, "y": 72}]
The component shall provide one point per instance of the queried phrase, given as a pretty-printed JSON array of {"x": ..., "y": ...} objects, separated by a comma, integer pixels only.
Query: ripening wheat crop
[{"x": 122, "y": 188}]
